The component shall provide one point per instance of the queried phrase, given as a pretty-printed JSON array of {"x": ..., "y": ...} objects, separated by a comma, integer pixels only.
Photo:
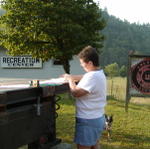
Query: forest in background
[{"x": 122, "y": 37}]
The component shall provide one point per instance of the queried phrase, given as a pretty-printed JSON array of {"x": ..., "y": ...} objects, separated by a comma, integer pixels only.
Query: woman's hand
[
  {"x": 75, "y": 78},
  {"x": 76, "y": 92},
  {"x": 67, "y": 77}
]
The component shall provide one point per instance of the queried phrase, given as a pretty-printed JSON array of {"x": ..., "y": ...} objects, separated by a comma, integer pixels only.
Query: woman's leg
[
  {"x": 88, "y": 147},
  {"x": 96, "y": 146}
]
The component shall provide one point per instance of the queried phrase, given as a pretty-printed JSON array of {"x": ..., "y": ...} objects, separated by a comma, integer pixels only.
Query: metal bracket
[{"x": 38, "y": 106}]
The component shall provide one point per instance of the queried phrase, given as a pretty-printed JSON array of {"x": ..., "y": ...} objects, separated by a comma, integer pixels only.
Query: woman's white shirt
[{"x": 92, "y": 105}]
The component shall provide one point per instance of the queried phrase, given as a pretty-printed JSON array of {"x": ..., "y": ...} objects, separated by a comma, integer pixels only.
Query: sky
[
  {"x": 134, "y": 11},
  {"x": 137, "y": 11}
]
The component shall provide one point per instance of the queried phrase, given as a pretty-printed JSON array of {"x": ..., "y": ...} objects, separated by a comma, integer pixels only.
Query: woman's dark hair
[{"x": 89, "y": 54}]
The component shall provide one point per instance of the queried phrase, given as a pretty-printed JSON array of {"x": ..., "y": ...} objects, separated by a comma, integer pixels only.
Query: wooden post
[{"x": 128, "y": 82}]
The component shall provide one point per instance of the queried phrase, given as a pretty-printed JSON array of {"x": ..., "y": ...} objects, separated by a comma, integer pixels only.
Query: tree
[
  {"x": 51, "y": 28},
  {"x": 122, "y": 37},
  {"x": 112, "y": 70},
  {"x": 123, "y": 71}
]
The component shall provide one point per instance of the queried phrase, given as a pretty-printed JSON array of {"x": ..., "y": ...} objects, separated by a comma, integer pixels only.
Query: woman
[{"x": 90, "y": 94}]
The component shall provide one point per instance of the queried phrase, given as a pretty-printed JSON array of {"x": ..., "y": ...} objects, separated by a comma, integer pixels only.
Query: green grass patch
[{"x": 130, "y": 130}]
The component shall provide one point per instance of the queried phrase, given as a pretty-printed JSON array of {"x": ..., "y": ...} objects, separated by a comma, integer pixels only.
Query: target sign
[{"x": 140, "y": 76}]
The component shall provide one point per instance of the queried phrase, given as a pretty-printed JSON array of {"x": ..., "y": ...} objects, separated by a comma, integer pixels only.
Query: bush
[
  {"x": 123, "y": 71},
  {"x": 112, "y": 70}
]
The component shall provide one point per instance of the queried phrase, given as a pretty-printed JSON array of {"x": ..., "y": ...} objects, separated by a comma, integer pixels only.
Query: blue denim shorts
[{"x": 88, "y": 131}]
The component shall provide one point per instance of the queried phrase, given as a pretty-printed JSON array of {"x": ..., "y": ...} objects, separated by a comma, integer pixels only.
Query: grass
[
  {"x": 117, "y": 89},
  {"x": 130, "y": 130}
]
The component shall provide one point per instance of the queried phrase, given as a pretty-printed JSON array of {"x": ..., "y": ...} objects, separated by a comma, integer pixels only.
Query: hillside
[{"x": 121, "y": 37}]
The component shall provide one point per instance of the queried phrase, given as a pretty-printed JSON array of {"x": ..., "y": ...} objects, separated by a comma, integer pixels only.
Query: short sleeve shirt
[{"x": 92, "y": 105}]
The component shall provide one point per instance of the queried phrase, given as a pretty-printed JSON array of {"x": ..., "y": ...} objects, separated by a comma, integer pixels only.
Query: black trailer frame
[{"x": 28, "y": 116}]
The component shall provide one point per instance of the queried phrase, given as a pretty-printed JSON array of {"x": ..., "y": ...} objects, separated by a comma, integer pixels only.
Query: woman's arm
[
  {"x": 76, "y": 91},
  {"x": 76, "y": 77}
]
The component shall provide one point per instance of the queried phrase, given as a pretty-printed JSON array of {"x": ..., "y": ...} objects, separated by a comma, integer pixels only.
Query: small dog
[{"x": 108, "y": 125}]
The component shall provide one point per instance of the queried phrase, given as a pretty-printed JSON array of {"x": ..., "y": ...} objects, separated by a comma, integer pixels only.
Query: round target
[{"x": 140, "y": 76}]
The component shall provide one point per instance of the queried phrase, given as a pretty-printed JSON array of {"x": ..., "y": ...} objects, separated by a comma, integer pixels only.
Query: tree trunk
[{"x": 66, "y": 66}]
